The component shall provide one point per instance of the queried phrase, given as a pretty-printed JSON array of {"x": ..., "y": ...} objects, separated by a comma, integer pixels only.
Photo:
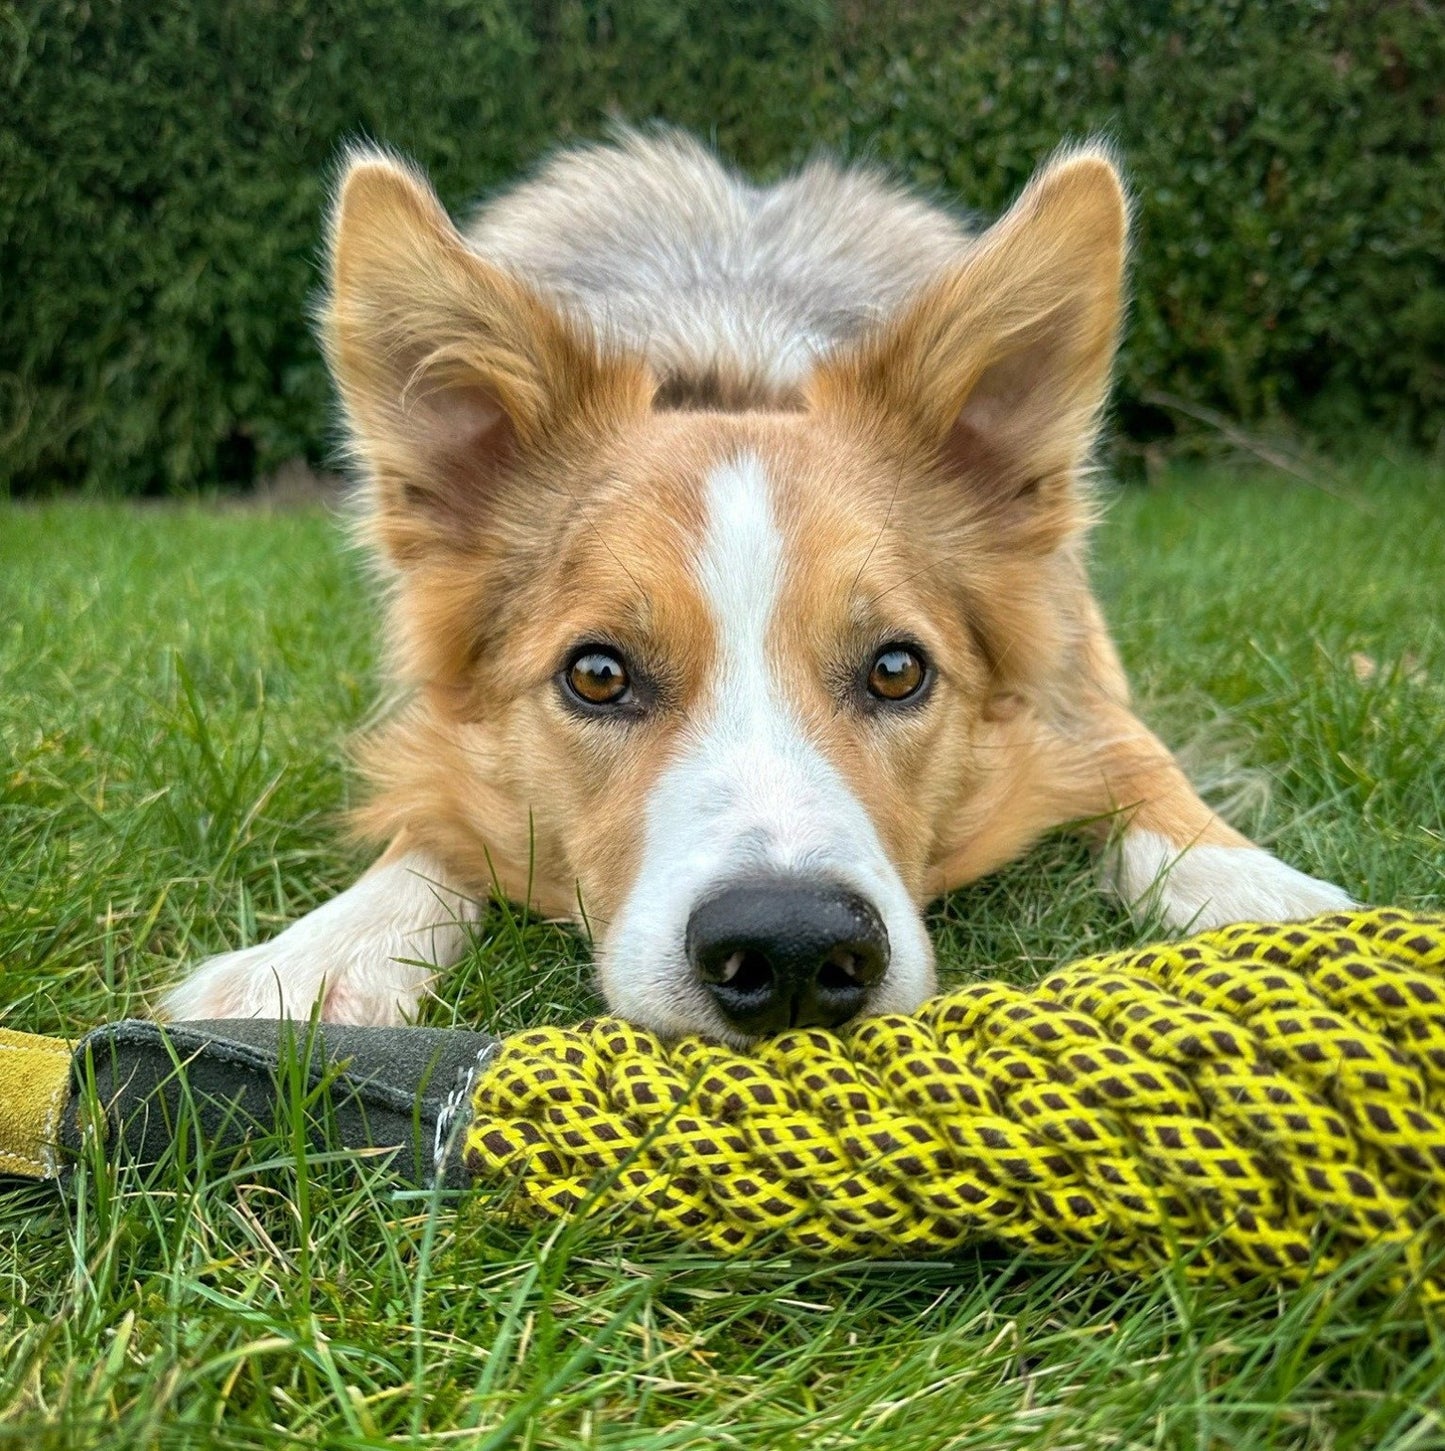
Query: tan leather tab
[{"x": 34, "y": 1091}]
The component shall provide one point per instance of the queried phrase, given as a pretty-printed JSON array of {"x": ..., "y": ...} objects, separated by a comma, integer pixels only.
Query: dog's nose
[{"x": 782, "y": 953}]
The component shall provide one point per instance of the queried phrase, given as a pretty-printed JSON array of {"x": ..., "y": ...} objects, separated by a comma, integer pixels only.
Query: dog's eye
[
  {"x": 898, "y": 673},
  {"x": 598, "y": 677}
]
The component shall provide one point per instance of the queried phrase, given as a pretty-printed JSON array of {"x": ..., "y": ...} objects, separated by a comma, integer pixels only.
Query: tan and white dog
[{"x": 736, "y": 539}]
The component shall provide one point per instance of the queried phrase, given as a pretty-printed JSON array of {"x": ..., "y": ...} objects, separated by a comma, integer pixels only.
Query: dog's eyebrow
[
  {"x": 591, "y": 524},
  {"x": 882, "y": 528}
]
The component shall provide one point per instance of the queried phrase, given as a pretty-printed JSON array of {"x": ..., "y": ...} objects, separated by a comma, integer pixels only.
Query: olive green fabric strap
[{"x": 136, "y": 1084}]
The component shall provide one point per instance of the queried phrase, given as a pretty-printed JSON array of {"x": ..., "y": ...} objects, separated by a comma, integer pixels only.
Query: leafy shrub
[{"x": 163, "y": 171}]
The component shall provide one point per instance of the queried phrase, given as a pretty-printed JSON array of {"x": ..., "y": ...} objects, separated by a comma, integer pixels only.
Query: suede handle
[{"x": 135, "y": 1086}]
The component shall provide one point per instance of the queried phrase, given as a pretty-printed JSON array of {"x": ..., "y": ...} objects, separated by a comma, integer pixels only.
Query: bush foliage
[{"x": 163, "y": 171}]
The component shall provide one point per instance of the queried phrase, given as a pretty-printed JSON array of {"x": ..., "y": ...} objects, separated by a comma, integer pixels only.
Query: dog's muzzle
[{"x": 784, "y": 952}]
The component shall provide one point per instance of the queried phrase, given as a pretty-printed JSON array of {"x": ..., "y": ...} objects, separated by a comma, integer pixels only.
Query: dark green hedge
[{"x": 163, "y": 171}]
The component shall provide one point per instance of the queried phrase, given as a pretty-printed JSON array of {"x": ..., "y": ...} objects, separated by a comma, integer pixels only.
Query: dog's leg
[
  {"x": 1164, "y": 852},
  {"x": 366, "y": 956}
]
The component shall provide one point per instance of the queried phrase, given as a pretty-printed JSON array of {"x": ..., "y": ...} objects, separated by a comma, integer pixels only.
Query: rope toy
[{"x": 1260, "y": 1099}]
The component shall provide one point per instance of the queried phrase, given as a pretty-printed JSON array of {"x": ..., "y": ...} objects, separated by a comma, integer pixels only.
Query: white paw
[
  {"x": 366, "y": 956},
  {"x": 1196, "y": 888},
  {"x": 279, "y": 979}
]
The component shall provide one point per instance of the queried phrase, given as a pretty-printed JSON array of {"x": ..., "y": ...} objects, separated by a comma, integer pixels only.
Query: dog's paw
[
  {"x": 1196, "y": 888},
  {"x": 282, "y": 979},
  {"x": 364, "y": 956}
]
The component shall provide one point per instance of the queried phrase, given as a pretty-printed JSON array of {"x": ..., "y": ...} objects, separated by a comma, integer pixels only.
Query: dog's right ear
[
  {"x": 449, "y": 369},
  {"x": 1000, "y": 368}
]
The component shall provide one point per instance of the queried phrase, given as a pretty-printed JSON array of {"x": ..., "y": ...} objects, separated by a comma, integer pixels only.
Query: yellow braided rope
[{"x": 1262, "y": 1099}]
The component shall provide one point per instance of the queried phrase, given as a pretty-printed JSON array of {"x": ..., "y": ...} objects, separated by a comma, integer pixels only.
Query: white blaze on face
[{"x": 748, "y": 793}]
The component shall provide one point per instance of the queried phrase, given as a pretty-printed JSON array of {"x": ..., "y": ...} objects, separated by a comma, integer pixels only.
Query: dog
[{"x": 737, "y": 585}]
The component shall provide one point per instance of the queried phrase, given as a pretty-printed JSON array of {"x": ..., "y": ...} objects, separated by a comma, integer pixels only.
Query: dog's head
[{"x": 731, "y": 685}]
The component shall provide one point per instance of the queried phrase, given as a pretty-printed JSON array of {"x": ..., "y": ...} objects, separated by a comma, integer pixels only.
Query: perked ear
[
  {"x": 449, "y": 369},
  {"x": 999, "y": 370}
]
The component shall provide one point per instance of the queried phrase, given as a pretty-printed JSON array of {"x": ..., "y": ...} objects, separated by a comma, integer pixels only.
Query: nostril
[
  {"x": 840, "y": 970},
  {"x": 746, "y": 971}
]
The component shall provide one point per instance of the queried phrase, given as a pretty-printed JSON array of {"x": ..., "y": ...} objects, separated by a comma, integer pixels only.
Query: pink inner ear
[
  {"x": 970, "y": 450},
  {"x": 983, "y": 443},
  {"x": 1020, "y": 422},
  {"x": 461, "y": 442},
  {"x": 1018, "y": 383},
  {"x": 456, "y": 418}
]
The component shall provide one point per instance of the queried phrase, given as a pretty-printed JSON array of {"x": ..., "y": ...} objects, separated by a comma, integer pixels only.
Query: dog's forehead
[
  {"x": 700, "y": 536},
  {"x": 769, "y": 495}
]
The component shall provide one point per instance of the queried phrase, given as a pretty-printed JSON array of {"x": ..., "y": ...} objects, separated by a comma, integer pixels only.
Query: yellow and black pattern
[{"x": 1261, "y": 1099}]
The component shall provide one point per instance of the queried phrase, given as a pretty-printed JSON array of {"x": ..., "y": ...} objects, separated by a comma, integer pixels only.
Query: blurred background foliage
[{"x": 163, "y": 174}]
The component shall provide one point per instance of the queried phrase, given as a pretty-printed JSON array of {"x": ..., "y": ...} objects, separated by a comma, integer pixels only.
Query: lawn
[{"x": 177, "y": 686}]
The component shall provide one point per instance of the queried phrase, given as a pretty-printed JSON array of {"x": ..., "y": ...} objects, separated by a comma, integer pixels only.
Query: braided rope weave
[{"x": 1262, "y": 1099}]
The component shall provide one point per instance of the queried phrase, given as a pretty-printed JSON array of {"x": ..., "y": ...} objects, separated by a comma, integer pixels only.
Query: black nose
[{"x": 780, "y": 953}]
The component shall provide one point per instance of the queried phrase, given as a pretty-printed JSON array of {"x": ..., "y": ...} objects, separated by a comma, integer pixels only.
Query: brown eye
[
  {"x": 598, "y": 677},
  {"x": 897, "y": 673}
]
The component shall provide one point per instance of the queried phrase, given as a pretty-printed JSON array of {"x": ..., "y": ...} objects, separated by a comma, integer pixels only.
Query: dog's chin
[{"x": 711, "y": 1025}]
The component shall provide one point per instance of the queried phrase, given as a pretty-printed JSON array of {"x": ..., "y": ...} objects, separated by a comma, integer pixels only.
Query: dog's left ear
[{"x": 999, "y": 370}]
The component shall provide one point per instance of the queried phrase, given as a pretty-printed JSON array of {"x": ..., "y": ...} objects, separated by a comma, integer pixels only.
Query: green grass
[{"x": 176, "y": 689}]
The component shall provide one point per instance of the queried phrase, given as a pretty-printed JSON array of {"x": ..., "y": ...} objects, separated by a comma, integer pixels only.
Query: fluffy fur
[{"x": 743, "y": 438}]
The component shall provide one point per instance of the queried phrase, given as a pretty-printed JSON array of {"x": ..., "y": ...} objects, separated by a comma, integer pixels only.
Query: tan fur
[
  {"x": 934, "y": 469},
  {"x": 537, "y": 463}
]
